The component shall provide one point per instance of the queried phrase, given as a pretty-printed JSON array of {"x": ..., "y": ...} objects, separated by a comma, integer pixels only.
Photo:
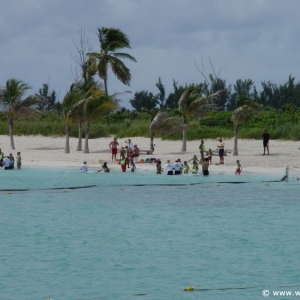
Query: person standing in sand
[
  {"x": 136, "y": 153},
  {"x": 129, "y": 144},
  {"x": 114, "y": 148},
  {"x": 221, "y": 148},
  {"x": 266, "y": 138},
  {"x": 202, "y": 149}
]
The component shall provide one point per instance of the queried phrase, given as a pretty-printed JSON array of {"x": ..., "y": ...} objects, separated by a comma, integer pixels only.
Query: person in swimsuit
[
  {"x": 221, "y": 147},
  {"x": 123, "y": 161},
  {"x": 1, "y": 158},
  {"x": 136, "y": 153},
  {"x": 205, "y": 165},
  {"x": 158, "y": 166},
  {"x": 238, "y": 168},
  {"x": 266, "y": 138},
  {"x": 185, "y": 167},
  {"x": 194, "y": 168},
  {"x": 210, "y": 155},
  {"x": 18, "y": 158},
  {"x": 202, "y": 149},
  {"x": 114, "y": 148}
]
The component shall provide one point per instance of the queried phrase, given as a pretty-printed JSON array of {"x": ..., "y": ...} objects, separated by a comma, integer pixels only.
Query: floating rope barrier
[
  {"x": 47, "y": 189},
  {"x": 139, "y": 185}
]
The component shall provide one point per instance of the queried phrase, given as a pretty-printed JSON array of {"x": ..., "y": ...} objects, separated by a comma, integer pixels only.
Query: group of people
[
  {"x": 129, "y": 154},
  {"x": 130, "y": 151},
  {"x": 7, "y": 162},
  {"x": 104, "y": 166},
  {"x": 178, "y": 168},
  {"x": 209, "y": 153}
]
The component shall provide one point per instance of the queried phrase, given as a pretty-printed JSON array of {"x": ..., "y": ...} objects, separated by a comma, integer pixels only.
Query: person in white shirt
[
  {"x": 84, "y": 167},
  {"x": 177, "y": 167},
  {"x": 169, "y": 168},
  {"x": 6, "y": 163},
  {"x": 129, "y": 144}
]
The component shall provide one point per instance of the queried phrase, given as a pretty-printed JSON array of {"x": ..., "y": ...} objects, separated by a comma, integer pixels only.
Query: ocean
[{"x": 67, "y": 235}]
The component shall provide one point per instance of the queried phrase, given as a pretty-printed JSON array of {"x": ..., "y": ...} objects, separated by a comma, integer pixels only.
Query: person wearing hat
[
  {"x": 84, "y": 167},
  {"x": 177, "y": 167}
]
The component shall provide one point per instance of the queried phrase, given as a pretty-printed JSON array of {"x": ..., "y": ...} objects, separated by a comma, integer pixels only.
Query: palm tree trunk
[
  {"x": 183, "y": 149},
  {"x": 11, "y": 135},
  {"x": 67, "y": 146},
  {"x": 235, "y": 147},
  {"x": 86, "y": 143},
  {"x": 79, "y": 145},
  {"x": 152, "y": 135}
]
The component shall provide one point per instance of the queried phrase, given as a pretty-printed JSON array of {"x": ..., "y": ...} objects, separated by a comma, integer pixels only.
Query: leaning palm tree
[
  {"x": 111, "y": 40},
  {"x": 240, "y": 116},
  {"x": 162, "y": 123},
  {"x": 13, "y": 104},
  {"x": 192, "y": 104}
]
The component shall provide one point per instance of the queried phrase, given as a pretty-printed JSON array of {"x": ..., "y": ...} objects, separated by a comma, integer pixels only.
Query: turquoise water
[{"x": 148, "y": 236}]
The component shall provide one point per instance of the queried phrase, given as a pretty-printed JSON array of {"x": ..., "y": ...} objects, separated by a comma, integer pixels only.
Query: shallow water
[{"x": 148, "y": 236}]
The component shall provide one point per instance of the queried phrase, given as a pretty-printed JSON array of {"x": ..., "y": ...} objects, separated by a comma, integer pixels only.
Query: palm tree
[
  {"x": 13, "y": 104},
  {"x": 97, "y": 104},
  {"x": 192, "y": 104},
  {"x": 111, "y": 40},
  {"x": 162, "y": 123},
  {"x": 70, "y": 99},
  {"x": 85, "y": 89},
  {"x": 240, "y": 116}
]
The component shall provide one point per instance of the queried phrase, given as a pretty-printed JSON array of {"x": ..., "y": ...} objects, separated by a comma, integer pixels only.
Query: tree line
[
  {"x": 88, "y": 98},
  {"x": 270, "y": 95}
]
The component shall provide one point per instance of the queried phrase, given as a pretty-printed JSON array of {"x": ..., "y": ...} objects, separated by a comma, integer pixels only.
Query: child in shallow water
[
  {"x": 238, "y": 168},
  {"x": 194, "y": 168},
  {"x": 18, "y": 158},
  {"x": 158, "y": 166},
  {"x": 185, "y": 167}
]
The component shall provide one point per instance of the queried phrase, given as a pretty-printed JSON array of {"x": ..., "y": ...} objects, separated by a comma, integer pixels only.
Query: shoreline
[{"x": 40, "y": 151}]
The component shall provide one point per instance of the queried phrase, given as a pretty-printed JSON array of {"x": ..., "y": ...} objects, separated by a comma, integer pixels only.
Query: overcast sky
[{"x": 256, "y": 39}]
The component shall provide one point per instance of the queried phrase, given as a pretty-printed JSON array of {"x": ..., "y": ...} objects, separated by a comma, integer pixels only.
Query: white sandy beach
[{"x": 39, "y": 151}]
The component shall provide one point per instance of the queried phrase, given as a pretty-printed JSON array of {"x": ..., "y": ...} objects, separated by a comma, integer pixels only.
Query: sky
[{"x": 177, "y": 40}]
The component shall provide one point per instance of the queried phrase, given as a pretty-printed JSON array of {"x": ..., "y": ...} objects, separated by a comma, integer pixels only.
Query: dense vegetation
[{"x": 283, "y": 124}]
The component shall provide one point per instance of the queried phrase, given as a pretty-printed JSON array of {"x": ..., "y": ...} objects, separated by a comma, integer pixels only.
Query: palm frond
[
  {"x": 165, "y": 124},
  {"x": 242, "y": 114}
]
